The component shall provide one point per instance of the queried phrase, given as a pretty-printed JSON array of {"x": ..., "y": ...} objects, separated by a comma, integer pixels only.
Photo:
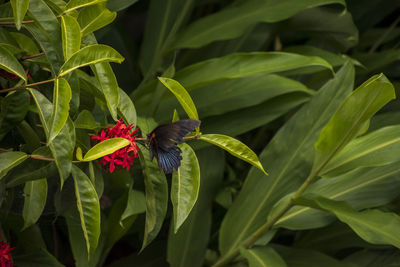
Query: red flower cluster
[
  {"x": 10, "y": 75},
  {"x": 5, "y": 255},
  {"x": 123, "y": 157}
]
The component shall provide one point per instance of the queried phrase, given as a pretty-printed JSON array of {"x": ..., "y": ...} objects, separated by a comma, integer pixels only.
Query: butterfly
[{"x": 163, "y": 140}]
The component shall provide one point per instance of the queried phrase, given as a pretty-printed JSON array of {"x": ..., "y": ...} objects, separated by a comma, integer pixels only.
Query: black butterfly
[{"x": 163, "y": 140}]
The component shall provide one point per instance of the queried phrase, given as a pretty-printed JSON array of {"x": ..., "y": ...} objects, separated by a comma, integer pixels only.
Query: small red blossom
[
  {"x": 5, "y": 255},
  {"x": 123, "y": 157},
  {"x": 12, "y": 76}
]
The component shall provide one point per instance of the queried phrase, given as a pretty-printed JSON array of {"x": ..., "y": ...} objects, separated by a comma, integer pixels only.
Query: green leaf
[
  {"x": 262, "y": 257},
  {"x": 185, "y": 186},
  {"x": 307, "y": 257},
  {"x": 356, "y": 109},
  {"x": 35, "y": 200},
  {"x": 362, "y": 188},
  {"x": 226, "y": 67},
  {"x": 126, "y": 108},
  {"x": 234, "y": 21},
  {"x": 196, "y": 230},
  {"x": 182, "y": 95},
  {"x": 118, "y": 5},
  {"x": 243, "y": 120},
  {"x": 374, "y": 226},
  {"x": 29, "y": 135},
  {"x": 167, "y": 17},
  {"x": 62, "y": 146},
  {"x": 25, "y": 43},
  {"x": 88, "y": 207},
  {"x": 59, "y": 116},
  {"x": 117, "y": 226},
  {"x": 109, "y": 85},
  {"x": 375, "y": 149},
  {"x": 85, "y": 120},
  {"x": 156, "y": 196},
  {"x": 39, "y": 258},
  {"x": 9, "y": 63},
  {"x": 106, "y": 147},
  {"x": 95, "y": 17},
  {"x": 71, "y": 36},
  {"x": 74, "y": 4},
  {"x": 88, "y": 55},
  {"x": 47, "y": 32},
  {"x": 19, "y": 10},
  {"x": 136, "y": 204},
  {"x": 14, "y": 108},
  {"x": 289, "y": 159},
  {"x": 9, "y": 160},
  {"x": 234, "y": 147},
  {"x": 236, "y": 94}
]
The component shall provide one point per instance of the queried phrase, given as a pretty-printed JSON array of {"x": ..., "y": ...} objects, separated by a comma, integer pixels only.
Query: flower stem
[
  {"x": 185, "y": 138},
  {"x": 230, "y": 255},
  {"x": 25, "y": 85}
]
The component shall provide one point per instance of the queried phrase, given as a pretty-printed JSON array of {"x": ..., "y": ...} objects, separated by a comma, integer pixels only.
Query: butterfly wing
[{"x": 163, "y": 140}]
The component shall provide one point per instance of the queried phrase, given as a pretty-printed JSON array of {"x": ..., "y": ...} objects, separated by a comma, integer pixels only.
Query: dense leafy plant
[{"x": 298, "y": 81}]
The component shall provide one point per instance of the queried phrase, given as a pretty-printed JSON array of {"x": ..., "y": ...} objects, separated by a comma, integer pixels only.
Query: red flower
[
  {"x": 12, "y": 76},
  {"x": 123, "y": 157},
  {"x": 5, "y": 255}
]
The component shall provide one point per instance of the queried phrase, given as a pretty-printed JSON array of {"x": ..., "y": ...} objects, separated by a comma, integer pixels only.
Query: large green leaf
[
  {"x": 234, "y": 147},
  {"x": 85, "y": 120},
  {"x": 19, "y": 10},
  {"x": 377, "y": 148},
  {"x": 71, "y": 36},
  {"x": 62, "y": 146},
  {"x": 262, "y": 257},
  {"x": 288, "y": 158},
  {"x": 74, "y": 4},
  {"x": 9, "y": 160},
  {"x": 59, "y": 116},
  {"x": 374, "y": 226},
  {"x": 9, "y": 63},
  {"x": 14, "y": 108},
  {"x": 185, "y": 186},
  {"x": 126, "y": 108},
  {"x": 223, "y": 68},
  {"x": 88, "y": 207},
  {"x": 118, "y": 5},
  {"x": 182, "y": 95},
  {"x": 35, "y": 200},
  {"x": 95, "y": 17},
  {"x": 234, "y": 21},
  {"x": 47, "y": 32},
  {"x": 351, "y": 116},
  {"x": 166, "y": 19},
  {"x": 361, "y": 188},
  {"x": 236, "y": 94},
  {"x": 295, "y": 257},
  {"x": 156, "y": 196},
  {"x": 331, "y": 25},
  {"x": 88, "y": 55},
  {"x": 243, "y": 120},
  {"x": 106, "y": 147},
  {"x": 196, "y": 230},
  {"x": 109, "y": 85}
]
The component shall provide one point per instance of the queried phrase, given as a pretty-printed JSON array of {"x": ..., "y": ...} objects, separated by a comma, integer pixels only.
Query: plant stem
[
  {"x": 13, "y": 23},
  {"x": 32, "y": 56},
  {"x": 25, "y": 85},
  {"x": 30, "y": 156},
  {"x": 268, "y": 224},
  {"x": 185, "y": 138}
]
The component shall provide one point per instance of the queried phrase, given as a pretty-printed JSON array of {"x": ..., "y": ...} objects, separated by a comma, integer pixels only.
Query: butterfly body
[{"x": 163, "y": 140}]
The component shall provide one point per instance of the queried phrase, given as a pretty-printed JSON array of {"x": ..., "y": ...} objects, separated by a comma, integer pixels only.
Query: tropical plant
[{"x": 309, "y": 85}]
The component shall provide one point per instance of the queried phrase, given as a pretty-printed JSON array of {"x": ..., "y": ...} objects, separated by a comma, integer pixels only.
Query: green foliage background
[{"x": 308, "y": 85}]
